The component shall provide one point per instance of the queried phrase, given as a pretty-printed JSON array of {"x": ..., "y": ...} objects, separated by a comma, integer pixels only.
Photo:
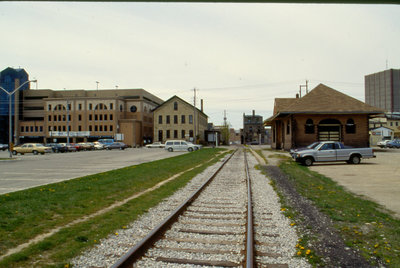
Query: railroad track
[{"x": 213, "y": 227}]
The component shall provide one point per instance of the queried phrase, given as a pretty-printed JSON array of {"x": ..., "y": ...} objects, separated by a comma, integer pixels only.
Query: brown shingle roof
[{"x": 323, "y": 99}]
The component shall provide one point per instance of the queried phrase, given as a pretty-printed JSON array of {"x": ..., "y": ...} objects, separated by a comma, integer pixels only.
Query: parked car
[
  {"x": 35, "y": 148},
  {"x": 393, "y": 144},
  {"x": 86, "y": 146},
  {"x": 383, "y": 143},
  {"x": 155, "y": 145},
  {"x": 179, "y": 145},
  {"x": 3, "y": 147},
  {"x": 57, "y": 147},
  {"x": 98, "y": 145},
  {"x": 329, "y": 151},
  {"x": 69, "y": 147},
  {"x": 116, "y": 145}
]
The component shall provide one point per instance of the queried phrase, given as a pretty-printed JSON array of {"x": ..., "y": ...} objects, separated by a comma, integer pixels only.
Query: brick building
[
  {"x": 86, "y": 115},
  {"x": 323, "y": 114},
  {"x": 253, "y": 129},
  {"x": 177, "y": 119}
]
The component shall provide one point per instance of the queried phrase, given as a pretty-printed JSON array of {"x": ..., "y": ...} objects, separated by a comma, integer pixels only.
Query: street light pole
[{"x": 9, "y": 112}]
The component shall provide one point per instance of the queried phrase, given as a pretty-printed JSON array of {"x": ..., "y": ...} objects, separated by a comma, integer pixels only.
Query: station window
[
  {"x": 183, "y": 119},
  {"x": 175, "y": 134},
  {"x": 160, "y": 119},
  {"x": 168, "y": 119},
  {"x": 175, "y": 119},
  {"x": 168, "y": 134}
]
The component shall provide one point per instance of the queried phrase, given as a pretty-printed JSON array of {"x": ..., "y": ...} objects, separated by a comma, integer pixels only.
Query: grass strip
[
  {"x": 28, "y": 213},
  {"x": 363, "y": 224},
  {"x": 57, "y": 250}
]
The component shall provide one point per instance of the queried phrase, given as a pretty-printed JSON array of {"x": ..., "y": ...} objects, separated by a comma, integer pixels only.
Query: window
[
  {"x": 69, "y": 106},
  {"x": 190, "y": 119},
  {"x": 168, "y": 119},
  {"x": 350, "y": 126},
  {"x": 90, "y": 106},
  {"x": 133, "y": 109},
  {"x": 175, "y": 134},
  {"x": 105, "y": 128},
  {"x": 309, "y": 127},
  {"x": 183, "y": 133},
  {"x": 101, "y": 128},
  {"x": 95, "y": 117},
  {"x": 22, "y": 129},
  {"x": 111, "y": 128},
  {"x": 36, "y": 129},
  {"x": 191, "y": 133},
  {"x": 49, "y": 128},
  {"x": 288, "y": 128},
  {"x": 79, "y": 128},
  {"x": 175, "y": 119},
  {"x": 49, "y": 107},
  {"x": 79, "y": 117},
  {"x": 90, "y": 117},
  {"x": 111, "y": 106},
  {"x": 105, "y": 117},
  {"x": 120, "y": 108},
  {"x": 49, "y": 117},
  {"x": 63, "y": 128},
  {"x": 80, "y": 106},
  {"x": 160, "y": 119},
  {"x": 175, "y": 106},
  {"x": 41, "y": 128},
  {"x": 111, "y": 117},
  {"x": 96, "y": 128},
  {"x": 168, "y": 134},
  {"x": 26, "y": 129},
  {"x": 55, "y": 118},
  {"x": 183, "y": 119},
  {"x": 101, "y": 117},
  {"x": 160, "y": 135},
  {"x": 90, "y": 128}
]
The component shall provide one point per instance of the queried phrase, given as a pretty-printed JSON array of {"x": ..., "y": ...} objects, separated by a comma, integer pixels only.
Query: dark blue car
[{"x": 393, "y": 144}]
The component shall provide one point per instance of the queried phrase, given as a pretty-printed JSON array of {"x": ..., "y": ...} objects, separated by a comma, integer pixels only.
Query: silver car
[{"x": 178, "y": 145}]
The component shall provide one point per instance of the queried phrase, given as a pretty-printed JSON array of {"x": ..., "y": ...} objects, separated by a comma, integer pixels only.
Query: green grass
[
  {"x": 25, "y": 214},
  {"x": 363, "y": 224}
]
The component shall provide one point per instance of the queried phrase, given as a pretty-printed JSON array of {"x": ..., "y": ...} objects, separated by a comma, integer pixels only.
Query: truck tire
[
  {"x": 308, "y": 161},
  {"x": 355, "y": 159},
  {"x": 14, "y": 152},
  {"x": 35, "y": 152},
  {"x": 170, "y": 150},
  {"x": 190, "y": 149}
]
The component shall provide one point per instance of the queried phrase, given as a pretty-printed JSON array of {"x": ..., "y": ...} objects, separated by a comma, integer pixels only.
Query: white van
[{"x": 178, "y": 145}]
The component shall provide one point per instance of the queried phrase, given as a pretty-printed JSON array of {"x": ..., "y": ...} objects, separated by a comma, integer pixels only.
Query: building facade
[
  {"x": 87, "y": 115},
  {"x": 321, "y": 115},
  {"x": 382, "y": 90},
  {"x": 177, "y": 119},
  {"x": 253, "y": 129},
  {"x": 10, "y": 79}
]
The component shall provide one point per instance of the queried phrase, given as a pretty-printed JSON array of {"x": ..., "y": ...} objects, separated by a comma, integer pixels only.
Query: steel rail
[
  {"x": 249, "y": 228},
  {"x": 140, "y": 248}
]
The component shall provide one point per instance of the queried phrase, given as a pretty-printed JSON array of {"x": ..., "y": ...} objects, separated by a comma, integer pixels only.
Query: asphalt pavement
[{"x": 28, "y": 170}]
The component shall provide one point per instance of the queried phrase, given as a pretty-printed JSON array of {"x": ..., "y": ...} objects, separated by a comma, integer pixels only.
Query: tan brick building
[
  {"x": 87, "y": 115},
  {"x": 177, "y": 119},
  {"x": 323, "y": 114}
]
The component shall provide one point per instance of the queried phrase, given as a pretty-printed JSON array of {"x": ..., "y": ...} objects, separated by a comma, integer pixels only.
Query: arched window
[
  {"x": 309, "y": 127},
  {"x": 350, "y": 126},
  {"x": 59, "y": 107},
  {"x": 101, "y": 106}
]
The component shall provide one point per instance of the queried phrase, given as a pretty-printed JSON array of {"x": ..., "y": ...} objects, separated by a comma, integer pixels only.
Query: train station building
[{"x": 322, "y": 114}]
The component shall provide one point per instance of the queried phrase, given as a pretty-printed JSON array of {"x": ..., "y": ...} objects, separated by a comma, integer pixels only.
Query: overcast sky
[{"x": 239, "y": 57}]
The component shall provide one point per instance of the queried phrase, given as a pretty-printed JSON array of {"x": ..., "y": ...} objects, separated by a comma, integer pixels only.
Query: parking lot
[
  {"x": 29, "y": 170},
  {"x": 377, "y": 179}
]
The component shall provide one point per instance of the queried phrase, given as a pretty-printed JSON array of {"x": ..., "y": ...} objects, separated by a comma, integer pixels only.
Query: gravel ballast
[{"x": 274, "y": 233}]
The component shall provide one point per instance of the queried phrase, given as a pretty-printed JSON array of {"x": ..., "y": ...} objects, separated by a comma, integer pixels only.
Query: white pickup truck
[{"x": 329, "y": 151}]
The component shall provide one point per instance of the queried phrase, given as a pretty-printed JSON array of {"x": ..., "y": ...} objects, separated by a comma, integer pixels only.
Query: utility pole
[
  {"x": 194, "y": 115},
  {"x": 306, "y": 86}
]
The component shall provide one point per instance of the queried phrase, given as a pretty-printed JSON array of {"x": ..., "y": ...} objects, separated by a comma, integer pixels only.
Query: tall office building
[
  {"x": 382, "y": 90},
  {"x": 10, "y": 79}
]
